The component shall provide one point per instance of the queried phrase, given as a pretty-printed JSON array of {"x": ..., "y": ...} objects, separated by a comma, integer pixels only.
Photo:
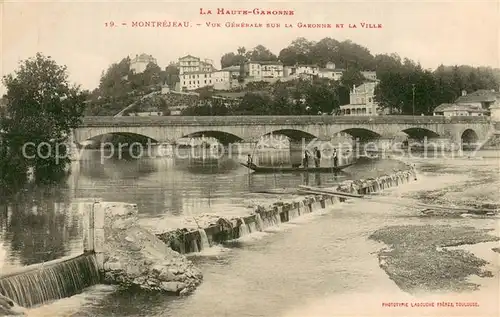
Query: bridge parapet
[{"x": 272, "y": 120}]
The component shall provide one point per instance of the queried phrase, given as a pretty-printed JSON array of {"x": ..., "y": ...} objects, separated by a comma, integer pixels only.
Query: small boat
[{"x": 290, "y": 169}]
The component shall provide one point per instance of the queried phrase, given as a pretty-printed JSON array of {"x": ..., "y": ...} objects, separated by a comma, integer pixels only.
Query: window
[{"x": 370, "y": 99}]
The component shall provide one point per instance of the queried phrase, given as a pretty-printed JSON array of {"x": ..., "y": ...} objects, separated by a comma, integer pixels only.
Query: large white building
[
  {"x": 362, "y": 101},
  {"x": 195, "y": 73},
  {"x": 193, "y": 64},
  {"x": 139, "y": 63}
]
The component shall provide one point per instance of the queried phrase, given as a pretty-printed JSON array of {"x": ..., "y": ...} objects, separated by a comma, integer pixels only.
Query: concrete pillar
[
  {"x": 99, "y": 213},
  {"x": 93, "y": 226}
]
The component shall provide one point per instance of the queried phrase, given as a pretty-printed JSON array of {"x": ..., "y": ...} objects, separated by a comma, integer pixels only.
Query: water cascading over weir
[{"x": 45, "y": 282}]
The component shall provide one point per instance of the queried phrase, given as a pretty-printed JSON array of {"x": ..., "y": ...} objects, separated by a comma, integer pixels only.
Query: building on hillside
[
  {"x": 263, "y": 70},
  {"x": 193, "y": 64},
  {"x": 331, "y": 72},
  {"x": 252, "y": 70},
  {"x": 234, "y": 71},
  {"x": 222, "y": 80},
  {"x": 369, "y": 75},
  {"x": 195, "y": 73},
  {"x": 139, "y": 63},
  {"x": 362, "y": 101},
  {"x": 481, "y": 99},
  {"x": 453, "y": 109},
  {"x": 304, "y": 70}
]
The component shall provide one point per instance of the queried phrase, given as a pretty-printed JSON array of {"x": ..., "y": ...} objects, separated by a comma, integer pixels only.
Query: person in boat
[
  {"x": 250, "y": 161},
  {"x": 305, "y": 161},
  {"x": 335, "y": 158},
  {"x": 317, "y": 157}
]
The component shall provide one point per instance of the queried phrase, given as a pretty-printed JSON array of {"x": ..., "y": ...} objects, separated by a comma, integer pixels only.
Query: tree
[
  {"x": 114, "y": 81},
  {"x": 241, "y": 54},
  {"x": 352, "y": 77},
  {"x": 254, "y": 104},
  {"x": 325, "y": 51},
  {"x": 261, "y": 53},
  {"x": 42, "y": 110},
  {"x": 322, "y": 96},
  {"x": 298, "y": 52},
  {"x": 152, "y": 75},
  {"x": 171, "y": 75}
]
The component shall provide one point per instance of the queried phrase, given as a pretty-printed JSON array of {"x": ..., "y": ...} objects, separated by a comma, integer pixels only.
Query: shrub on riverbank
[{"x": 416, "y": 261}]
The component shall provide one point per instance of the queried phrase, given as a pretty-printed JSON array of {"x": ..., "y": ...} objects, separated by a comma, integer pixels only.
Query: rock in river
[{"x": 133, "y": 256}]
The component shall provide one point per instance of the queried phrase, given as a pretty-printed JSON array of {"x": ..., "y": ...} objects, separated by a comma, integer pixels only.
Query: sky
[{"x": 75, "y": 33}]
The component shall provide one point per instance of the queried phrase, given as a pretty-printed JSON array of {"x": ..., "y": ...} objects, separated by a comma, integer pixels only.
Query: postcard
[{"x": 244, "y": 158}]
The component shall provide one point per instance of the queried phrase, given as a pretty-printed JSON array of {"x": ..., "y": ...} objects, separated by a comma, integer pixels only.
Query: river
[{"x": 322, "y": 264}]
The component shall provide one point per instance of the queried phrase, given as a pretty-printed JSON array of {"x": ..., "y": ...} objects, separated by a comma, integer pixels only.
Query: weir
[
  {"x": 41, "y": 283},
  {"x": 187, "y": 241},
  {"x": 45, "y": 282}
]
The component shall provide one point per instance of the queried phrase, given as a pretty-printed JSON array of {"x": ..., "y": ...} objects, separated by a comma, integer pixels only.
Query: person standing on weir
[
  {"x": 317, "y": 157},
  {"x": 335, "y": 158}
]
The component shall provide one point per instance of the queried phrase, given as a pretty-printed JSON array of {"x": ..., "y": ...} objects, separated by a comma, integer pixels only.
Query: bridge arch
[
  {"x": 221, "y": 136},
  {"x": 362, "y": 134},
  {"x": 469, "y": 136},
  {"x": 120, "y": 137},
  {"x": 293, "y": 134},
  {"x": 420, "y": 133}
]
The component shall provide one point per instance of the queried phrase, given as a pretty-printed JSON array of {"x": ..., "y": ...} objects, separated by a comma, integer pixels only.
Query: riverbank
[{"x": 416, "y": 258}]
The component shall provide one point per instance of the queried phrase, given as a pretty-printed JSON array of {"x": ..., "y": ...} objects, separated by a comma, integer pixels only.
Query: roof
[
  {"x": 189, "y": 56},
  {"x": 458, "y": 107},
  {"x": 232, "y": 68},
  {"x": 144, "y": 56},
  {"x": 266, "y": 62},
  {"x": 335, "y": 70},
  {"x": 198, "y": 72},
  {"x": 366, "y": 87},
  {"x": 307, "y": 65},
  {"x": 481, "y": 95},
  {"x": 205, "y": 63}
]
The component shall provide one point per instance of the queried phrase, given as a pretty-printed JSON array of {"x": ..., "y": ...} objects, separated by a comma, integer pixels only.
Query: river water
[{"x": 320, "y": 265}]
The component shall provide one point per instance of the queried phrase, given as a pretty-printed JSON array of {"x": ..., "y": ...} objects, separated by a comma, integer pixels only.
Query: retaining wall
[{"x": 189, "y": 240}]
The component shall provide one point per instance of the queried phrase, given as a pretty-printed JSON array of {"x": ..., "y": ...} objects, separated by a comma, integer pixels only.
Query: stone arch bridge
[{"x": 231, "y": 129}]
